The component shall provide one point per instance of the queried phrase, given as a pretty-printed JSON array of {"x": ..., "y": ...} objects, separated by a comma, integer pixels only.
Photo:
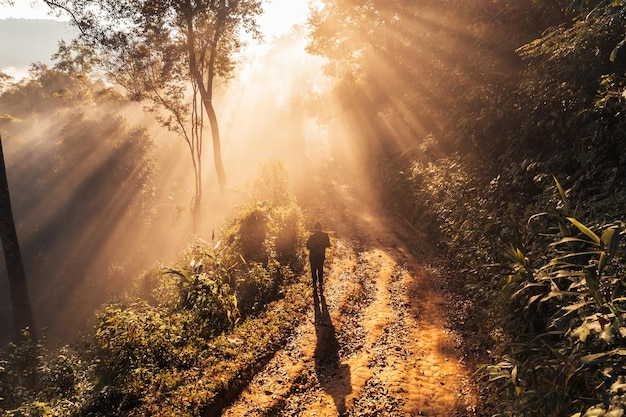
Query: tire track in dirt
[{"x": 376, "y": 343}]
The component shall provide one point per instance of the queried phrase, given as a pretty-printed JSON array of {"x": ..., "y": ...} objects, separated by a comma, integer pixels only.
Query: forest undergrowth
[
  {"x": 205, "y": 325},
  {"x": 543, "y": 278},
  {"x": 535, "y": 311},
  {"x": 220, "y": 336}
]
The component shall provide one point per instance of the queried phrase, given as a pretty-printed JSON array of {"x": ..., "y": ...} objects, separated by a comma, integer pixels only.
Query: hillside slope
[{"x": 377, "y": 341}]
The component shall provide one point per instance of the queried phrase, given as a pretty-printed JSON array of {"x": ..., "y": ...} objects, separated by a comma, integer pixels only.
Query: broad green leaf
[
  {"x": 563, "y": 228},
  {"x": 525, "y": 287},
  {"x": 610, "y": 239},
  {"x": 600, "y": 357},
  {"x": 562, "y": 193},
  {"x": 532, "y": 299},
  {"x": 550, "y": 295},
  {"x": 584, "y": 229},
  {"x": 573, "y": 307},
  {"x": 569, "y": 274},
  {"x": 515, "y": 255},
  {"x": 568, "y": 240},
  {"x": 593, "y": 284},
  {"x": 577, "y": 254}
]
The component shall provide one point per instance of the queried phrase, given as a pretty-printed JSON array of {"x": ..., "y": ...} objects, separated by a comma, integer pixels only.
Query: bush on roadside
[{"x": 175, "y": 353}]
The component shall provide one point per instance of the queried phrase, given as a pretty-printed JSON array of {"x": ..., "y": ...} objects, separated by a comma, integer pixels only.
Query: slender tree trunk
[
  {"x": 206, "y": 94},
  {"x": 207, "y": 99},
  {"x": 217, "y": 148},
  {"x": 22, "y": 312}
]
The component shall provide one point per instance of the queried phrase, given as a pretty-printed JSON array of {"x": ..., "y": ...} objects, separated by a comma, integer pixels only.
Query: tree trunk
[
  {"x": 206, "y": 95},
  {"x": 217, "y": 148},
  {"x": 22, "y": 312}
]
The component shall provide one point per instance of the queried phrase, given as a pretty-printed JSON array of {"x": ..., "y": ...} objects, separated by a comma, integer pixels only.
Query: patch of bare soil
[{"x": 376, "y": 342}]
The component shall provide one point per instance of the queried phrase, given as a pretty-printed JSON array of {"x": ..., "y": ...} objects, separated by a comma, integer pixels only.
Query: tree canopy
[
  {"x": 170, "y": 53},
  {"x": 78, "y": 169}
]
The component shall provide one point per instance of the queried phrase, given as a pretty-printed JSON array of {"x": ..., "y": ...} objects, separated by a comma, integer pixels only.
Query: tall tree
[
  {"x": 22, "y": 312},
  {"x": 169, "y": 52}
]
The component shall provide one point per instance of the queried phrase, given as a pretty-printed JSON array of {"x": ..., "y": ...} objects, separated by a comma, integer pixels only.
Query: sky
[
  {"x": 277, "y": 18},
  {"x": 23, "y": 10},
  {"x": 35, "y": 36}
]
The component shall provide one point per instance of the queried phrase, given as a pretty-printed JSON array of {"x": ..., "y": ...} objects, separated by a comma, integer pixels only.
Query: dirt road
[{"x": 376, "y": 342}]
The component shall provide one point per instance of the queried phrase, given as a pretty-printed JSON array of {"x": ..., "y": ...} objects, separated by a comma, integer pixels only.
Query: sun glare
[
  {"x": 281, "y": 15},
  {"x": 22, "y": 9}
]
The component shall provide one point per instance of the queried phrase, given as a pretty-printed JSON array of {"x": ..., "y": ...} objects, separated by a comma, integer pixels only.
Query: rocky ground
[{"x": 377, "y": 341}]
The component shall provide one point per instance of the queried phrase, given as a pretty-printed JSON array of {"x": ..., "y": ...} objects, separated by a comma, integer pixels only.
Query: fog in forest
[{"x": 267, "y": 114}]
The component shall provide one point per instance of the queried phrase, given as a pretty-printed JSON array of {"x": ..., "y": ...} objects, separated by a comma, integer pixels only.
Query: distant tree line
[{"x": 76, "y": 168}]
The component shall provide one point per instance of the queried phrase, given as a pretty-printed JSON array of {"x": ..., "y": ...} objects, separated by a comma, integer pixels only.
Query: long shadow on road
[{"x": 332, "y": 375}]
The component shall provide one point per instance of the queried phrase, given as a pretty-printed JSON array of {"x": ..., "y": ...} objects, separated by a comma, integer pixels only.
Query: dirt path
[{"x": 376, "y": 343}]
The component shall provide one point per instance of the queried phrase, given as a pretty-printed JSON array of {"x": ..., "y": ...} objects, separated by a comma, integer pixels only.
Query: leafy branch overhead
[{"x": 170, "y": 54}]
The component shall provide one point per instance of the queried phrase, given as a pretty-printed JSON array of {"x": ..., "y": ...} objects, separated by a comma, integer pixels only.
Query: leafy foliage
[
  {"x": 568, "y": 315},
  {"x": 80, "y": 166},
  {"x": 169, "y": 54},
  {"x": 270, "y": 226},
  {"x": 212, "y": 320},
  {"x": 412, "y": 70},
  {"x": 38, "y": 382}
]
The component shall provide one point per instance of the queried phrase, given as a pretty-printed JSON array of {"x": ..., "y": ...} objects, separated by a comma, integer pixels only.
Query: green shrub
[
  {"x": 289, "y": 235},
  {"x": 259, "y": 285},
  {"x": 210, "y": 321},
  {"x": 252, "y": 234},
  {"x": 265, "y": 232},
  {"x": 36, "y": 382},
  {"x": 568, "y": 349},
  {"x": 208, "y": 299}
]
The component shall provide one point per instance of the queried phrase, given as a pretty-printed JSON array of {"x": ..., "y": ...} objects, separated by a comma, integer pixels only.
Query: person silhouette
[{"x": 317, "y": 244}]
